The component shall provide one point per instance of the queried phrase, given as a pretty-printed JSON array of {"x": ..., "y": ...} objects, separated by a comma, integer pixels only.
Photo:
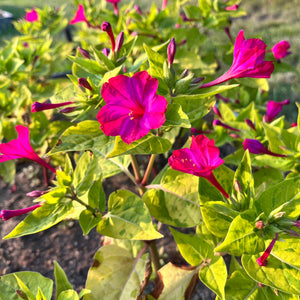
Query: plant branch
[
  {"x": 149, "y": 169},
  {"x": 136, "y": 169},
  {"x": 154, "y": 256}
]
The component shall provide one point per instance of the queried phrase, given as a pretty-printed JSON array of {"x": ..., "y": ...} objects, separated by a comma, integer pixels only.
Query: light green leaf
[
  {"x": 147, "y": 145},
  {"x": 284, "y": 196},
  {"x": 242, "y": 238},
  {"x": 127, "y": 218},
  {"x": 96, "y": 195},
  {"x": 33, "y": 280},
  {"x": 61, "y": 280},
  {"x": 68, "y": 295},
  {"x": 283, "y": 267},
  {"x": 175, "y": 281},
  {"x": 193, "y": 248},
  {"x": 42, "y": 218},
  {"x": 88, "y": 221},
  {"x": 214, "y": 275},
  {"x": 24, "y": 288},
  {"x": 88, "y": 65},
  {"x": 176, "y": 117},
  {"x": 114, "y": 275},
  {"x": 175, "y": 200}
]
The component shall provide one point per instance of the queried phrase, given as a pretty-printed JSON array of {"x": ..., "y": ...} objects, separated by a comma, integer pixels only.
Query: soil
[{"x": 64, "y": 242}]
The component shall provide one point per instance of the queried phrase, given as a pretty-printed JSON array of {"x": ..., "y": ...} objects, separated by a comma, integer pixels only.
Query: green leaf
[
  {"x": 176, "y": 117},
  {"x": 175, "y": 200},
  {"x": 175, "y": 281},
  {"x": 283, "y": 196},
  {"x": 33, "y": 280},
  {"x": 267, "y": 176},
  {"x": 193, "y": 248},
  {"x": 127, "y": 218},
  {"x": 88, "y": 221},
  {"x": 147, "y": 145},
  {"x": 214, "y": 275},
  {"x": 156, "y": 62},
  {"x": 61, "y": 280},
  {"x": 68, "y": 295},
  {"x": 114, "y": 275},
  {"x": 242, "y": 236},
  {"x": 282, "y": 271},
  {"x": 88, "y": 65},
  {"x": 96, "y": 195},
  {"x": 110, "y": 74},
  {"x": 42, "y": 218},
  {"x": 103, "y": 60},
  {"x": 24, "y": 288},
  {"x": 87, "y": 136},
  {"x": 244, "y": 193}
]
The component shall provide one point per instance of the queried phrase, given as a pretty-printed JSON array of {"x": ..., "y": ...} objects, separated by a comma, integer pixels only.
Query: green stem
[
  {"x": 154, "y": 256},
  {"x": 88, "y": 207},
  {"x": 149, "y": 169},
  {"x": 136, "y": 168}
]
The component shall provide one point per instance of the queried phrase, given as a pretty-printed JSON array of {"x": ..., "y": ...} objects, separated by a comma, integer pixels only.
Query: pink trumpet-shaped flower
[
  {"x": 115, "y": 5},
  {"x": 248, "y": 61},
  {"x": 21, "y": 148},
  {"x": 280, "y": 50},
  {"x": 80, "y": 16},
  {"x": 36, "y": 106},
  {"x": 32, "y": 16},
  {"x": 132, "y": 107},
  {"x": 273, "y": 109},
  {"x": 262, "y": 260},
  {"x": 256, "y": 147},
  {"x": 107, "y": 28},
  {"x": 6, "y": 214},
  {"x": 164, "y": 4},
  {"x": 199, "y": 160}
]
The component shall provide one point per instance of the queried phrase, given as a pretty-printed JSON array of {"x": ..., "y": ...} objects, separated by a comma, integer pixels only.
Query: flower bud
[
  {"x": 238, "y": 188},
  {"x": 84, "y": 53},
  {"x": 217, "y": 112},
  {"x": 260, "y": 224},
  {"x": 106, "y": 51},
  {"x": 107, "y": 28},
  {"x": 219, "y": 123},
  {"x": 250, "y": 124},
  {"x": 36, "y": 193},
  {"x": 84, "y": 83},
  {"x": 119, "y": 41},
  {"x": 67, "y": 110},
  {"x": 171, "y": 51},
  {"x": 138, "y": 9}
]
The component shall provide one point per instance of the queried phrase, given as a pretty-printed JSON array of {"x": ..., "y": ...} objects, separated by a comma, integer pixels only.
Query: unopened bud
[
  {"x": 106, "y": 51},
  {"x": 261, "y": 285},
  {"x": 106, "y": 26},
  {"x": 279, "y": 214},
  {"x": 184, "y": 73},
  {"x": 197, "y": 80},
  {"x": 67, "y": 110},
  {"x": 84, "y": 53},
  {"x": 36, "y": 193},
  {"x": 260, "y": 224},
  {"x": 84, "y": 83},
  {"x": 138, "y": 9},
  {"x": 250, "y": 124},
  {"x": 217, "y": 112},
  {"x": 171, "y": 51},
  {"x": 238, "y": 188},
  {"x": 119, "y": 41}
]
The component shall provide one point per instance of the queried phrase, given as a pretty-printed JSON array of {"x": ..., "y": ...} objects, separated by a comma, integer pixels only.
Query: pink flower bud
[
  {"x": 106, "y": 51},
  {"x": 225, "y": 100},
  {"x": 107, "y": 28},
  {"x": 219, "y": 123},
  {"x": 84, "y": 83},
  {"x": 232, "y": 7},
  {"x": 262, "y": 260},
  {"x": 256, "y": 147},
  {"x": 67, "y": 110},
  {"x": 280, "y": 50},
  {"x": 36, "y": 106},
  {"x": 138, "y": 9},
  {"x": 84, "y": 53},
  {"x": 260, "y": 224},
  {"x": 120, "y": 41},
  {"x": 250, "y": 124},
  {"x": 217, "y": 112},
  {"x": 36, "y": 193},
  {"x": 6, "y": 214},
  {"x": 171, "y": 51}
]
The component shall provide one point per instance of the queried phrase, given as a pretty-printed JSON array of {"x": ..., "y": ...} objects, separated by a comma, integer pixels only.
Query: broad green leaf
[
  {"x": 240, "y": 287},
  {"x": 96, "y": 195},
  {"x": 193, "y": 248},
  {"x": 24, "y": 289},
  {"x": 242, "y": 236},
  {"x": 214, "y": 275},
  {"x": 87, "y": 136},
  {"x": 42, "y": 218},
  {"x": 68, "y": 295},
  {"x": 175, "y": 200},
  {"x": 282, "y": 271},
  {"x": 176, "y": 117},
  {"x": 175, "y": 281},
  {"x": 33, "y": 280},
  {"x": 267, "y": 176},
  {"x": 281, "y": 163},
  {"x": 111, "y": 74},
  {"x": 127, "y": 218},
  {"x": 156, "y": 62},
  {"x": 103, "y": 59},
  {"x": 260, "y": 83},
  {"x": 61, "y": 280},
  {"x": 88, "y": 65},
  {"x": 244, "y": 192},
  {"x": 284, "y": 196},
  {"x": 88, "y": 221},
  {"x": 114, "y": 275},
  {"x": 147, "y": 145}
]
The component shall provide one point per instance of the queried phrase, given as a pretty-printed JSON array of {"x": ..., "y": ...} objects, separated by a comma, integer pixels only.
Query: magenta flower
[
  {"x": 164, "y": 4},
  {"x": 199, "y": 160},
  {"x": 256, "y": 147},
  {"x": 132, "y": 106},
  {"x": 32, "y": 16},
  {"x": 273, "y": 109},
  {"x": 248, "y": 61},
  {"x": 6, "y": 214},
  {"x": 21, "y": 148},
  {"x": 36, "y": 106},
  {"x": 262, "y": 260},
  {"x": 80, "y": 16},
  {"x": 280, "y": 50}
]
